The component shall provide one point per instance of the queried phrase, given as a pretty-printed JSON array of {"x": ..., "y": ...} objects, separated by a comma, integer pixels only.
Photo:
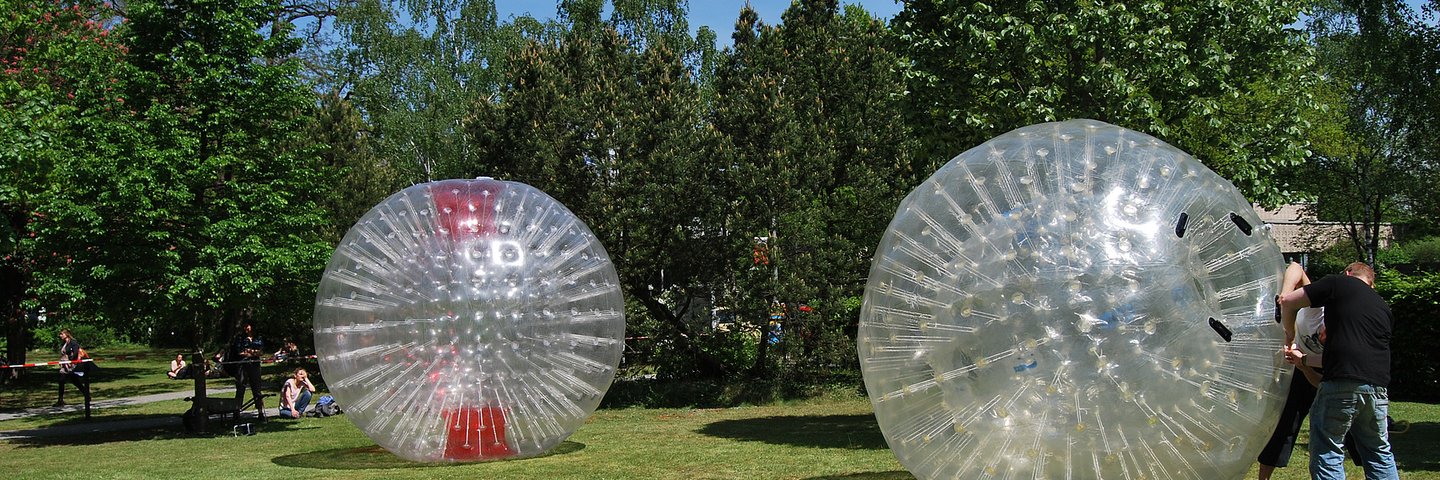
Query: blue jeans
[
  {"x": 1361, "y": 408},
  {"x": 300, "y": 403}
]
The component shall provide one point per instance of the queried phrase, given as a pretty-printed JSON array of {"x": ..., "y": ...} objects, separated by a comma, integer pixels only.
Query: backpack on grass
[{"x": 326, "y": 406}]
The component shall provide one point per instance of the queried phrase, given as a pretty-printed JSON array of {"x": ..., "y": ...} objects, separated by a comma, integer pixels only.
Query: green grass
[
  {"x": 1413, "y": 443},
  {"x": 117, "y": 378},
  {"x": 828, "y": 440},
  {"x": 831, "y": 437}
]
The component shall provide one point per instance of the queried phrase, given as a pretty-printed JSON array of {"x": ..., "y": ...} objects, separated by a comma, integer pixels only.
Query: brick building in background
[{"x": 1301, "y": 236}]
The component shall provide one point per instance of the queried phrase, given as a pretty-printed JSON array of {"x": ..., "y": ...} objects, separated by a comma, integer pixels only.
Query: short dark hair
[{"x": 1361, "y": 270}]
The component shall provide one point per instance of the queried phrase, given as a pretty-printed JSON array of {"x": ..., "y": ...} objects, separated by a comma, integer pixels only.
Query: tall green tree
[
  {"x": 60, "y": 68},
  {"x": 811, "y": 113},
  {"x": 1375, "y": 162},
  {"x": 606, "y": 116},
  {"x": 413, "y": 69},
  {"x": 348, "y": 150},
  {"x": 1225, "y": 81},
  {"x": 204, "y": 211}
]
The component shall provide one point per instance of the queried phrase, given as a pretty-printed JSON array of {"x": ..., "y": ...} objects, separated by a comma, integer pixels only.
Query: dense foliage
[
  {"x": 1224, "y": 81},
  {"x": 61, "y": 102},
  {"x": 171, "y": 167},
  {"x": 1414, "y": 299},
  {"x": 1374, "y": 147}
]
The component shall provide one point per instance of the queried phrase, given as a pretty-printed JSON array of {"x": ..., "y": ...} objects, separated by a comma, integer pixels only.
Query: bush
[
  {"x": 1332, "y": 260},
  {"x": 90, "y": 336},
  {"x": 1425, "y": 251},
  {"x": 1392, "y": 256},
  {"x": 1414, "y": 299}
]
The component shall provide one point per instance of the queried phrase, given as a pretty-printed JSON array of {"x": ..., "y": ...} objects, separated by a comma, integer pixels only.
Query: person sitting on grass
[
  {"x": 287, "y": 352},
  {"x": 177, "y": 368},
  {"x": 295, "y": 394}
]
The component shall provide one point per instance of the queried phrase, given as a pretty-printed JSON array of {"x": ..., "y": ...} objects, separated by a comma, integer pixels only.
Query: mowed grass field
[{"x": 831, "y": 437}]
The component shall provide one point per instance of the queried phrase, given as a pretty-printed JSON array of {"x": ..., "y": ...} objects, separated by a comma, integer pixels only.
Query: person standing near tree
[
  {"x": 1353, "y": 396},
  {"x": 245, "y": 350}
]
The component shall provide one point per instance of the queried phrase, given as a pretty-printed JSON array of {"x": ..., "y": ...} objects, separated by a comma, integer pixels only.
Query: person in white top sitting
[
  {"x": 295, "y": 394},
  {"x": 177, "y": 367}
]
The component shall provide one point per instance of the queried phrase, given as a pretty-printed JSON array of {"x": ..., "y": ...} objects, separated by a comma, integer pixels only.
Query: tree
[
  {"x": 606, "y": 116},
  {"x": 413, "y": 69},
  {"x": 819, "y": 158},
  {"x": 1374, "y": 159},
  {"x": 59, "y": 68},
  {"x": 1193, "y": 73},
  {"x": 205, "y": 210},
  {"x": 363, "y": 179}
]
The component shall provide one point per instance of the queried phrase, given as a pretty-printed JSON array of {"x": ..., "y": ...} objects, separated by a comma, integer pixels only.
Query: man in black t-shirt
[{"x": 1353, "y": 395}]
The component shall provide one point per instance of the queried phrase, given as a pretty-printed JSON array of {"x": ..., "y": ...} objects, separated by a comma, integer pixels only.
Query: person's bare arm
[
  {"x": 1291, "y": 303},
  {"x": 1293, "y": 278}
]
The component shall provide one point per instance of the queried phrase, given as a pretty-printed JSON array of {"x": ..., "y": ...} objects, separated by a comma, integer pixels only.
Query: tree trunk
[
  {"x": 18, "y": 336},
  {"x": 761, "y": 367},
  {"x": 12, "y": 288},
  {"x": 709, "y": 366}
]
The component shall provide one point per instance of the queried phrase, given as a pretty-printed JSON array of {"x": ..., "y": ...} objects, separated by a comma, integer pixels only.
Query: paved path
[{"x": 97, "y": 422}]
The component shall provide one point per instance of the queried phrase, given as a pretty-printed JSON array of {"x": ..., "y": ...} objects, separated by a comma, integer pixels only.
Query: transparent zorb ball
[
  {"x": 466, "y": 320},
  {"x": 1074, "y": 300}
]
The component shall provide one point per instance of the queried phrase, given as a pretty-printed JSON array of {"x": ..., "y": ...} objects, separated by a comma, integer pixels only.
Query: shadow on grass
[
  {"x": 81, "y": 432},
  {"x": 1415, "y": 448},
  {"x": 135, "y": 427},
  {"x": 891, "y": 475},
  {"x": 828, "y": 431},
  {"x": 713, "y": 393},
  {"x": 127, "y": 379},
  {"x": 38, "y": 388},
  {"x": 374, "y": 457}
]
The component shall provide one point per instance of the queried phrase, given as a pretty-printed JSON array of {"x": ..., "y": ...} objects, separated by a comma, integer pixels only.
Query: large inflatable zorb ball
[
  {"x": 466, "y": 320},
  {"x": 1074, "y": 300}
]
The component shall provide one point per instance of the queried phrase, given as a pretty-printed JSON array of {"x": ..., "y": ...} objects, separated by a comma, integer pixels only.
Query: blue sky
[{"x": 719, "y": 15}]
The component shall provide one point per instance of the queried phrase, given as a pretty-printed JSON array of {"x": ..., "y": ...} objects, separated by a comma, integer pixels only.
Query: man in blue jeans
[{"x": 1352, "y": 396}]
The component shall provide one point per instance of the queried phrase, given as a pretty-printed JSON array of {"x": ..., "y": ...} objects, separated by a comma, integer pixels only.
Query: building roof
[
  {"x": 1293, "y": 213},
  {"x": 1296, "y": 231}
]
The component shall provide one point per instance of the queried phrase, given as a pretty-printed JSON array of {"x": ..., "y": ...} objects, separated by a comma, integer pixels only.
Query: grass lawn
[
  {"x": 123, "y": 372},
  {"x": 831, "y": 437}
]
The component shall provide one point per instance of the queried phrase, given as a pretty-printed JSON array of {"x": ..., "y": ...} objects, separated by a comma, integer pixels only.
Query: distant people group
[{"x": 242, "y": 360}]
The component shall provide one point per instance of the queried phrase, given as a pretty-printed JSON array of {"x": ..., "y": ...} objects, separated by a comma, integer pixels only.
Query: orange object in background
[{"x": 476, "y": 434}]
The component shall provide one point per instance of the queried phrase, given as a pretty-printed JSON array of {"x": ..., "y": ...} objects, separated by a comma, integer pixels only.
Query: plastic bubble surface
[
  {"x": 1074, "y": 300},
  {"x": 466, "y": 320}
]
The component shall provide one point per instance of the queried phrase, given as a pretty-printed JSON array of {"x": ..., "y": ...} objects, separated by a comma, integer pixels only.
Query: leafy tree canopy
[{"x": 1222, "y": 80}]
